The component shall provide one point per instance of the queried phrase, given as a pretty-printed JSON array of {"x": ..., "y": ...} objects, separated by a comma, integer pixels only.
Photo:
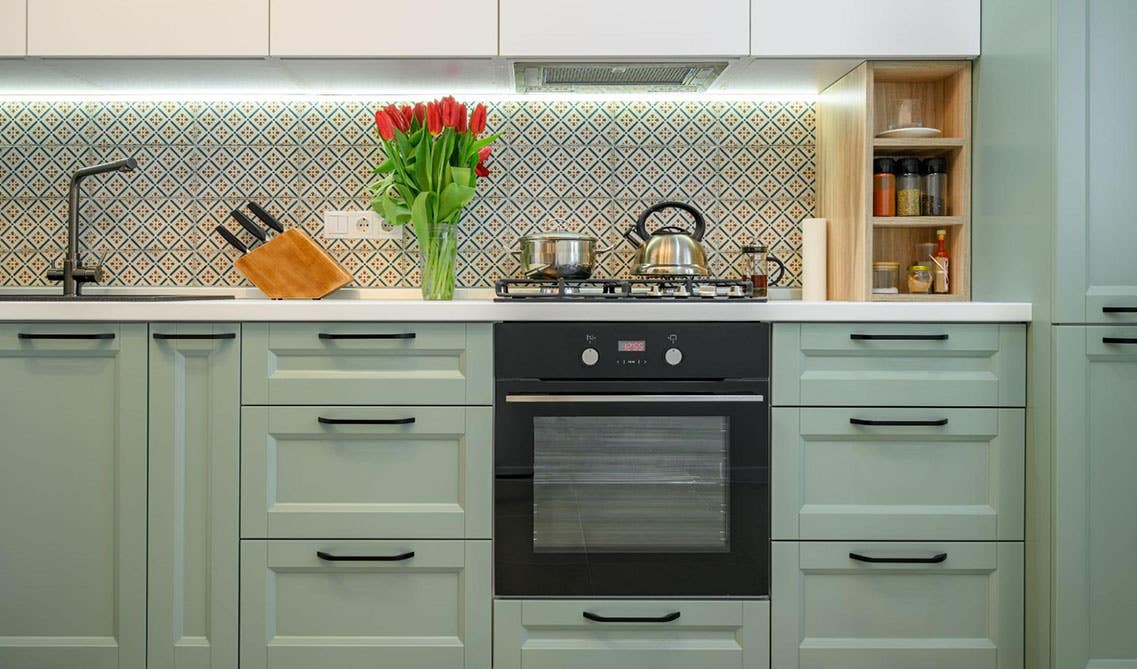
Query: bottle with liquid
[{"x": 942, "y": 284}]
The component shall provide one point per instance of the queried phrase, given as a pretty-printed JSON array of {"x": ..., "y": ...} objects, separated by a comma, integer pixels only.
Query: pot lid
[{"x": 559, "y": 234}]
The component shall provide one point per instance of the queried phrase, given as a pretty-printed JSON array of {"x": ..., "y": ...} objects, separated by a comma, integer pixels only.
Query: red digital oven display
[{"x": 632, "y": 346}]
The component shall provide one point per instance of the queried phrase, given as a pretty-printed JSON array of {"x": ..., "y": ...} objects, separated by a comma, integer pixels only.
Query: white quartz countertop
[{"x": 479, "y": 307}]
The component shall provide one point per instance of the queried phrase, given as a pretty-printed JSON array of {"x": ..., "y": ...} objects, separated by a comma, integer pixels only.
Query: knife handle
[
  {"x": 265, "y": 217},
  {"x": 232, "y": 239},
  {"x": 247, "y": 223}
]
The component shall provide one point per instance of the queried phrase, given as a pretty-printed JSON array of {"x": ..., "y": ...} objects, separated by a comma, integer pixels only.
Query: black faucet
[{"x": 73, "y": 274}]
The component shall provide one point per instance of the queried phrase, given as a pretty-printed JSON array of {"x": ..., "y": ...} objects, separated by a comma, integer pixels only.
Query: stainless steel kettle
[{"x": 670, "y": 250}]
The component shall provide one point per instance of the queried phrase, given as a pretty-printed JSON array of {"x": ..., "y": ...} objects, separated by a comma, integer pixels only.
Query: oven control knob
[
  {"x": 590, "y": 356},
  {"x": 673, "y": 356}
]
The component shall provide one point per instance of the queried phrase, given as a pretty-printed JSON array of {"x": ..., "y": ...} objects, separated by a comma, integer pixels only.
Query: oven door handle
[
  {"x": 665, "y": 399},
  {"x": 589, "y": 615}
]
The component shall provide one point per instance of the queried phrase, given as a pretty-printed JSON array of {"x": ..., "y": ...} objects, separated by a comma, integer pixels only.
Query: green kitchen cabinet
[
  {"x": 1096, "y": 144},
  {"x": 193, "y": 513},
  {"x": 1095, "y": 497},
  {"x": 677, "y": 634},
  {"x": 852, "y": 605},
  {"x": 73, "y": 496},
  {"x": 367, "y": 363},
  {"x": 410, "y": 604},
  {"x": 899, "y": 364},
  {"x": 366, "y": 472}
]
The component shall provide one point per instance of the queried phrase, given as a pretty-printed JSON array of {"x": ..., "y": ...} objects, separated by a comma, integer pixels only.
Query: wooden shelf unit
[{"x": 851, "y": 112}]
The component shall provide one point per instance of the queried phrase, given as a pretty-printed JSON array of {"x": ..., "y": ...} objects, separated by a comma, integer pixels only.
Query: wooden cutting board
[{"x": 292, "y": 266}]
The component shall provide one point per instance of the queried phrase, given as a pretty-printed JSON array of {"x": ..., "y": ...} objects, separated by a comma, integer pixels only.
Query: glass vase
[{"x": 438, "y": 256}]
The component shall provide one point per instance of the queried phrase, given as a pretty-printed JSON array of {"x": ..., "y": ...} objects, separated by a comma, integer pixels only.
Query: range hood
[{"x": 628, "y": 77}]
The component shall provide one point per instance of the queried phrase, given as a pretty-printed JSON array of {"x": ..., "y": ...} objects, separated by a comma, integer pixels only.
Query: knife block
[{"x": 292, "y": 266}]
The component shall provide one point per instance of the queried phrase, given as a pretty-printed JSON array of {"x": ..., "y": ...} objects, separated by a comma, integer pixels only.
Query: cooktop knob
[
  {"x": 673, "y": 356},
  {"x": 590, "y": 356}
]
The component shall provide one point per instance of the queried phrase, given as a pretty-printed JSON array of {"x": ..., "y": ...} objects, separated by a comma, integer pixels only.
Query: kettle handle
[{"x": 700, "y": 222}]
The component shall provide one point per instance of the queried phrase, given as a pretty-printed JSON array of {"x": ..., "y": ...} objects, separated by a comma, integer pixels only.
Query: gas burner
[{"x": 606, "y": 290}]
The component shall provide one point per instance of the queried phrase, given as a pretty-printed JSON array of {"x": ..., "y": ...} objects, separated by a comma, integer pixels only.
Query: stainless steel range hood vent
[{"x": 644, "y": 77}]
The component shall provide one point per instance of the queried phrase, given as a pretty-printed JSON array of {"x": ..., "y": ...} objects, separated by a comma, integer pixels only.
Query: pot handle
[{"x": 700, "y": 222}]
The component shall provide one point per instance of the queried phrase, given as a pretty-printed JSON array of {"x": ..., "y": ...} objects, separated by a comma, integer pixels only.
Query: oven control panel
[{"x": 555, "y": 350}]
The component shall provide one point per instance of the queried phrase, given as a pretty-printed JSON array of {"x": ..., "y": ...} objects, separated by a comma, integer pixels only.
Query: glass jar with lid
[
  {"x": 920, "y": 279},
  {"x": 909, "y": 187},
  {"x": 885, "y": 278}
]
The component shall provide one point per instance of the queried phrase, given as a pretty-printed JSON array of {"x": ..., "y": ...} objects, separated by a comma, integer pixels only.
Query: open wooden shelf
[{"x": 916, "y": 221}]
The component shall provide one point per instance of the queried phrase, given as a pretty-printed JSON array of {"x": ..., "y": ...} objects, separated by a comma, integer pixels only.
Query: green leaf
[
  {"x": 422, "y": 166},
  {"x": 462, "y": 175},
  {"x": 453, "y": 198},
  {"x": 422, "y": 212}
]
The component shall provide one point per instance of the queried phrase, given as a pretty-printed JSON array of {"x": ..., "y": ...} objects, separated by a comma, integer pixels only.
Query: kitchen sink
[{"x": 111, "y": 298}]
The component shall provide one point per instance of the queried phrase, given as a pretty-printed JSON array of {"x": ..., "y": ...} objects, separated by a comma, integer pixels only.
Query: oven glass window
[{"x": 626, "y": 484}]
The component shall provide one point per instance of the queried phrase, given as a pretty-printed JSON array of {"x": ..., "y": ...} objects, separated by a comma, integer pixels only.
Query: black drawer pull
[
  {"x": 1119, "y": 310},
  {"x": 674, "y": 615},
  {"x": 514, "y": 477},
  {"x": 219, "y": 335},
  {"x": 1119, "y": 340},
  {"x": 935, "y": 559},
  {"x": 365, "y": 421},
  {"x": 365, "y": 558},
  {"x": 898, "y": 337},
  {"x": 65, "y": 335},
  {"x": 395, "y": 335},
  {"x": 900, "y": 423}
]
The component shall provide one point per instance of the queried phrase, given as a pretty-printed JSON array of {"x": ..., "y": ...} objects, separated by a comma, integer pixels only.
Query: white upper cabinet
[
  {"x": 154, "y": 28},
  {"x": 13, "y": 28},
  {"x": 601, "y": 28},
  {"x": 865, "y": 28},
  {"x": 383, "y": 28}
]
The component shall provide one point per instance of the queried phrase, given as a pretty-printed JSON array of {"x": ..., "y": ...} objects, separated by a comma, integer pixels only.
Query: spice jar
[
  {"x": 935, "y": 187},
  {"x": 919, "y": 279},
  {"x": 909, "y": 187},
  {"x": 886, "y": 277},
  {"x": 884, "y": 187},
  {"x": 754, "y": 260}
]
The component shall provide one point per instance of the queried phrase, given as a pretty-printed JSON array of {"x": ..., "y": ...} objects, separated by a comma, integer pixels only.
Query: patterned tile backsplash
[{"x": 588, "y": 166}]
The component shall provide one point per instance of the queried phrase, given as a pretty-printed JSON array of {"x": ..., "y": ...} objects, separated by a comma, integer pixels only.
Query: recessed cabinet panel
[
  {"x": 383, "y": 28},
  {"x": 625, "y": 28},
  {"x": 205, "y": 28},
  {"x": 13, "y": 27},
  {"x": 866, "y": 28}
]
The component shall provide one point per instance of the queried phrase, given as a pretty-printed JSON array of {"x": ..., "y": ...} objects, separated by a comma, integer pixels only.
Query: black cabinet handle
[
  {"x": 365, "y": 421},
  {"x": 514, "y": 477},
  {"x": 1119, "y": 310},
  {"x": 396, "y": 335},
  {"x": 365, "y": 558},
  {"x": 900, "y": 423},
  {"x": 65, "y": 335},
  {"x": 219, "y": 335},
  {"x": 935, "y": 559},
  {"x": 674, "y": 615},
  {"x": 898, "y": 337},
  {"x": 1119, "y": 340}
]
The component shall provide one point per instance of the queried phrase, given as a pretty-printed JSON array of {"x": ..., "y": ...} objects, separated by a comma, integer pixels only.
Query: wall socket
[{"x": 360, "y": 224}]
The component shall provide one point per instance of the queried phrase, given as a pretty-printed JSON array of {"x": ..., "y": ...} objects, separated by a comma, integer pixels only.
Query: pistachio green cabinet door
[
  {"x": 1095, "y": 497},
  {"x": 193, "y": 534},
  {"x": 72, "y": 496}
]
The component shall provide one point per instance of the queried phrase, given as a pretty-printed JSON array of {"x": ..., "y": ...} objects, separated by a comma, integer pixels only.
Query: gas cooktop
[{"x": 693, "y": 288}]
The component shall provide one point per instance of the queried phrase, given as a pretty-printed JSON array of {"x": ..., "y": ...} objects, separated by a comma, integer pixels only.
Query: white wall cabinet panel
[
  {"x": 383, "y": 28},
  {"x": 598, "y": 28},
  {"x": 154, "y": 28},
  {"x": 13, "y": 27},
  {"x": 866, "y": 28}
]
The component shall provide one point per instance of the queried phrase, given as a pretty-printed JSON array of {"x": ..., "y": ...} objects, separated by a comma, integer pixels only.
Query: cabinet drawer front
[
  {"x": 1119, "y": 305},
  {"x": 32, "y": 339},
  {"x": 834, "y": 612},
  {"x": 555, "y": 634},
  {"x": 367, "y": 363},
  {"x": 881, "y": 364},
  {"x": 361, "y": 472},
  {"x": 894, "y": 474},
  {"x": 428, "y": 611}
]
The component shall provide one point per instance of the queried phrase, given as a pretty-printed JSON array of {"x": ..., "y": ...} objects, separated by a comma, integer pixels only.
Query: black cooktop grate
[{"x": 683, "y": 288}]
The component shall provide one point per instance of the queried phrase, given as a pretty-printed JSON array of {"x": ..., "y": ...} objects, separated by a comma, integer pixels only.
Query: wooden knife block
[{"x": 292, "y": 266}]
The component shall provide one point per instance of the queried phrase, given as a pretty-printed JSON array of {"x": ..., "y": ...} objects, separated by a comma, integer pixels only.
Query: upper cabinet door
[
  {"x": 383, "y": 28},
  {"x": 865, "y": 28},
  {"x": 600, "y": 28},
  {"x": 150, "y": 28},
  {"x": 1096, "y": 276},
  {"x": 13, "y": 27}
]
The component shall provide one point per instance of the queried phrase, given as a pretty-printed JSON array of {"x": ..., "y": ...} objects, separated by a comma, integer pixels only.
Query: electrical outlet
[{"x": 358, "y": 225}]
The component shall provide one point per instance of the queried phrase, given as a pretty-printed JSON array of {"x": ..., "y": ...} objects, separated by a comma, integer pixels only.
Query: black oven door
[{"x": 629, "y": 489}]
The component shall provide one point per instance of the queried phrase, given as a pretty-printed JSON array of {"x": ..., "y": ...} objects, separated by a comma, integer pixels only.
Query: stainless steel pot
[
  {"x": 558, "y": 255},
  {"x": 671, "y": 251}
]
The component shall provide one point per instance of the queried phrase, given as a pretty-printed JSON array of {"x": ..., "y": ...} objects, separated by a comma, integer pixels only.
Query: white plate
[{"x": 912, "y": 132}]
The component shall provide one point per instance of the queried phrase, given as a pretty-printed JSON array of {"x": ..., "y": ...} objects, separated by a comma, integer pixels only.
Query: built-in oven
[{"x": 632, "y": 460}]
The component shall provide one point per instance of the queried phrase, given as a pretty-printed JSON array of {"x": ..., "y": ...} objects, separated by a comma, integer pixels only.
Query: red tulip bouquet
[{"x": 434, "y": 159}]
